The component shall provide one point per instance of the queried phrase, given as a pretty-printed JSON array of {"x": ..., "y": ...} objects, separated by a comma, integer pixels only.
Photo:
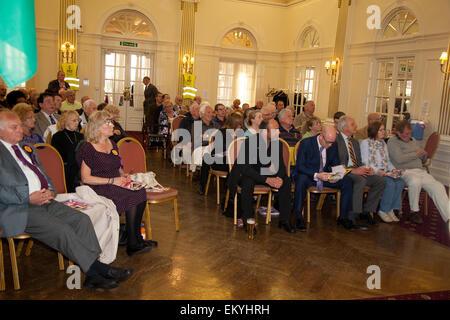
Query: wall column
[
  {"x": 444, "y": 116},
  {"x": 339, "y": 48},
  {"x": 66, "y": 35},
  {"x": 187, "y": 39}
]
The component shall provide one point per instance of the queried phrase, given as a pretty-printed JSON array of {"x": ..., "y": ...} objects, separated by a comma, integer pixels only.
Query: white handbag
[{"x": 150, "y": 181}]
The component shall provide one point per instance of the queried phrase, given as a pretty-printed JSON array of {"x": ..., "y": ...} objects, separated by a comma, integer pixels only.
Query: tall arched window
[
  {"x": 239, "y": 38},
  {"x": 401, "y": 22},
  {"x": 309, "y": 38},
  {"x": 236, "y": 79},
  {"x": 129, "y": 24}
]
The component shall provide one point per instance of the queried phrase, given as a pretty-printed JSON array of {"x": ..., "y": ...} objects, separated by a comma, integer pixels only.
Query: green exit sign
[{"x": 128, "y": 44}]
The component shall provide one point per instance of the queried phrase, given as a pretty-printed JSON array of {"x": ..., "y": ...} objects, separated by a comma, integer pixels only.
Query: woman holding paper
[
  {"x": 374, "y": 153},
  {"x": 101, "y": 169}
]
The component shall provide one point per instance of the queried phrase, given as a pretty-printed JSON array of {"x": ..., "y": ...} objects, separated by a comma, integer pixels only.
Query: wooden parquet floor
[{"x": 209, "y": 258}]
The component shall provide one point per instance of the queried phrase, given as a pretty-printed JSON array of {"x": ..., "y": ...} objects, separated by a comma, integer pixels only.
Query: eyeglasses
[{"x": 109, "y": 123}]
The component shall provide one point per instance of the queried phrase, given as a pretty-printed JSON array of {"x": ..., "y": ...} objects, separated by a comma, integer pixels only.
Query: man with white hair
[
  {"x": 308, "y": 112},
  {"x": 259, "y": 104},
  {"x": 287, "y": 130},
  {"x": 70, "y": 103},
  {"x": 178, "y": 106},
  {"x": 89, "y": 107},
  {"x": 269, "y": 112}
]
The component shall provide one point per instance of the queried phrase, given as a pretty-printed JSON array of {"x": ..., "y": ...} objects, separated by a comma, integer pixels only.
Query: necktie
[
  {"x": 320, "y": 182},
  {"x": 52, "y": 120},
  {"x": 352, "y": 153},
  {"x": 42, "y": 179}
]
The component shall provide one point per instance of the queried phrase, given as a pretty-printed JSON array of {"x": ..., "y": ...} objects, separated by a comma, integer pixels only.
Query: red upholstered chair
[
  {"x": 54, "y": 167},
  {"x": 232, "y": 154},
  {"x": 133, "y": 158}
]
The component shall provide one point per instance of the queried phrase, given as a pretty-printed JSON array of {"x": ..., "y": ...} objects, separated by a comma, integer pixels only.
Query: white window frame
[{"x": 305, "y": 84}]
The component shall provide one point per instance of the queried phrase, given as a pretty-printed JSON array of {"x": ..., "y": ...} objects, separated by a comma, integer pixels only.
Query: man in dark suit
[
  {"x": 254, "y": 170},
  {"x": 350, "y": 156},
  {"x": 55, "y": 85},
  {"x": 316, "y": 156},
  {"x": 27, "y": 205},
  {"x": 150, "y": 92}
]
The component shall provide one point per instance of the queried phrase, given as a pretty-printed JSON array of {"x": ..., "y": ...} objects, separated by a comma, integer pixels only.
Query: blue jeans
[{"x": 392, "y": 194}]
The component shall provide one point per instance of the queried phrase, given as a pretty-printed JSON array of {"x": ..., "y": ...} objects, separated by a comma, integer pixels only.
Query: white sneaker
[
  {"x": 392, "y": 215},
  {"x": 384, "y": 216}
]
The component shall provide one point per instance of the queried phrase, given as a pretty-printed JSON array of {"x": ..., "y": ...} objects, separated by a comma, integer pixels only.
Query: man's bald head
[
  {"x": 328, "y": 136},
  {"x": 10, "y": 127},
  {"x": 373, "y": 117}
]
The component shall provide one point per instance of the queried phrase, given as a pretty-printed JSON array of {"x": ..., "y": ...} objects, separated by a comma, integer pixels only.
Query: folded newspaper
[{"x": 337, "y": 173}]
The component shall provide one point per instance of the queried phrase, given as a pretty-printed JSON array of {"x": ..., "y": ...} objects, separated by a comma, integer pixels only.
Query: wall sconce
[
  {"x": 67, "y": 50},
  {"x": 333, "y": 69},
  {"x": 188, "y": 63},
  {"x": 444, "y": 61}
]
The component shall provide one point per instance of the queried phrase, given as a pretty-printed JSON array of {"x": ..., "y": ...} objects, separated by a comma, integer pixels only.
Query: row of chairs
[{"x": 133, "y": 157}]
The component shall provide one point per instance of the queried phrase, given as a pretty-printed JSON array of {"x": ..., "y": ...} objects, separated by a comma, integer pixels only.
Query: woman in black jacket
[
  {"x": 66, "y": 141},
  {"x": 114, "y": 112}
]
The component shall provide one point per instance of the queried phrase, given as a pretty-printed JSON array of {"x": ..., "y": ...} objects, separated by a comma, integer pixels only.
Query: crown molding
[{"x": 283, "y": 4}]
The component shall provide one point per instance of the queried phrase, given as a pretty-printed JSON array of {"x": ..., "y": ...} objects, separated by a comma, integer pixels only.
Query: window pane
[
  {"x": 120, "y": 73},
  {"x": 109, "y": 72},
  {"x": 108, "y": 86},
  {"x": 109, "y": 59}
]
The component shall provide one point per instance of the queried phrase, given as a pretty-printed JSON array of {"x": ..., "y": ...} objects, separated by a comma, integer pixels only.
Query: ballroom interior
[{"x": 354, "y": 56}]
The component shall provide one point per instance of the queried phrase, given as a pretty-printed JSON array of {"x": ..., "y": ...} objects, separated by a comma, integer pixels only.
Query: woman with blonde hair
[
  {"x": 118, "y": 132},
  {"x": 102, "y": 170},
  {"x": 26, "y": 115},
  {"x": 254, "y": 120},
  {"x": 66, "y": 141},
  {"x": 311, "y": 128}
]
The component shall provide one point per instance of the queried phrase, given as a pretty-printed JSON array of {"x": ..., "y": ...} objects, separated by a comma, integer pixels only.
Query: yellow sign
[
  {"x": 70, "y": 69},
  {"x": 189, "y": 91}
]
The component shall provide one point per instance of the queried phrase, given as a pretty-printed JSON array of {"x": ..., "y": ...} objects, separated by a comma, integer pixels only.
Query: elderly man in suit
[
  {"x": 350, "y": 156},
  {"x": 47, "y": 116},
  {"x": 89, "y": 107},
  {"x": 316, "y": 156},
  {"x": 27, "y": 205}
]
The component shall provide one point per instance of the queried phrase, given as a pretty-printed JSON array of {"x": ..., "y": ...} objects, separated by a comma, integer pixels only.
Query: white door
[{"x": 125, "y": 70}]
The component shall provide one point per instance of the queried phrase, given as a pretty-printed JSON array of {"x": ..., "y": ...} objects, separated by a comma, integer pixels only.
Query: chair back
[
  {"x": 233, "y": 150},
  {"x": 53, "y": 165},
  {"x": 132, "y": 154},
  {"x": 286, "y": 156},
  {"x": 297, "y": 145},
  {"x": 432, "y": 144},
  {"x": 176, "y": 123}
]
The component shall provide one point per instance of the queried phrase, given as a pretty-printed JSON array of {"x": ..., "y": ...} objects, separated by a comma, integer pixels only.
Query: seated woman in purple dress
[
  {"x": 26, "y": 115},
  {"x": 101, "y": 169}
]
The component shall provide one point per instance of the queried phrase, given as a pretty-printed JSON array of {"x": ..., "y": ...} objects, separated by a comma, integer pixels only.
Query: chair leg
[
  {"x": 218, "y": 190},
  {"x": 60, "y": 262},
  {"x": 269, "y": 208},
  {"x": 207, "y": 184},
  {"x": 235, "y": 209},
  {"x": 227, "y": 197},
  {"x": 175, "y": 208},
  {"x": 258, "y": 201},
  {"x": 15, "y": 270},
  {"x": 2, "y": 268},
  {"x": 19, "y": 248},
  {"x": 147, "y": 224},
  {"x": 426, "y": 203},
  {"x": 29, "y": 246},
  {"x": 321, "y": 201},
  {"x": 338, "y": 204},
  {"x": 308, "y": 206}
]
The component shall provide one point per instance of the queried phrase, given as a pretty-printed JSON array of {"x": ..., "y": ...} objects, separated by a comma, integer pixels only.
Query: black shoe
[
  {"x": 118, "y": 274},
  {"x": 357, "y": 227},
  {"x": 397, "y": 213},
  {"x": 201, "y": 191},
  {"x": 123, "y": 235},
  {"x": 285, "y": 225},
  {"x": 368, "y": 218},
  {"x": 137, "y": 249},
  {"x": 150, "y": 243},
  {"x": 300, "y": 225},
  {"x": 347, "y": 224},
  {"x": 99, "y": 282}
]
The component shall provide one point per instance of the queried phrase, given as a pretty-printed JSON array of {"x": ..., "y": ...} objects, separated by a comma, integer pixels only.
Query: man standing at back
[{"x": 150, "y": 92}]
